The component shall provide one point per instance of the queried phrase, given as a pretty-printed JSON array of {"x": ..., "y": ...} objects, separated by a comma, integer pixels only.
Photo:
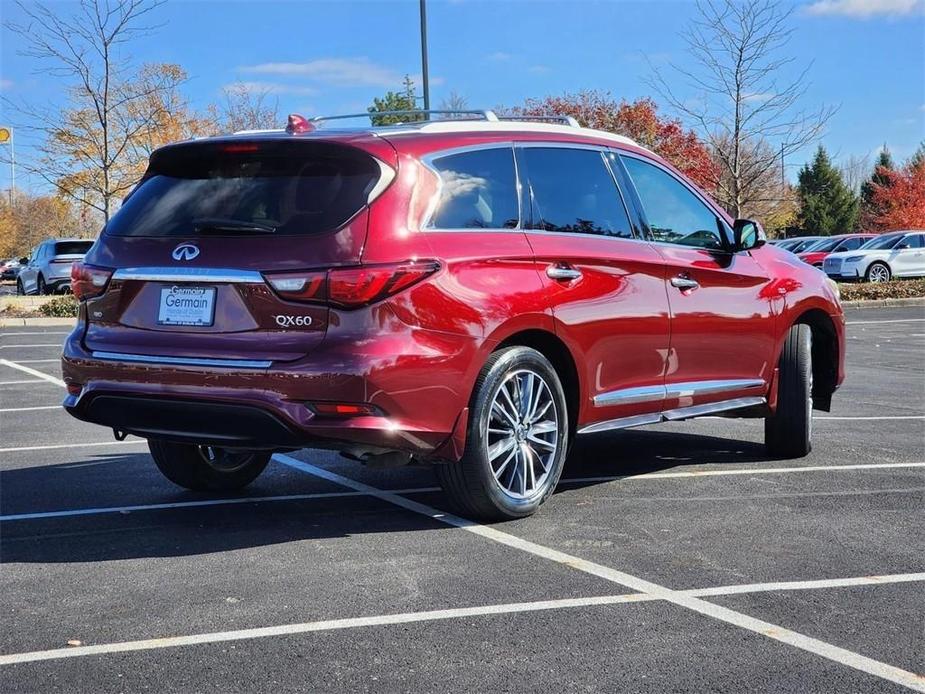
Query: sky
[{"x": 867, "y": 57}]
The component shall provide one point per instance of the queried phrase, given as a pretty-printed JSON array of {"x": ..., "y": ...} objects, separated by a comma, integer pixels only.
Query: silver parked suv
[{"x": 48, "y": 268}]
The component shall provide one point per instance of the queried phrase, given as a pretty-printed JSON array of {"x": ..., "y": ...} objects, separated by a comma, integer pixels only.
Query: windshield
[
  {"x": 803, "y": 245},
  {"x": 824, "y": 245},
  {"x": 882, "y": 242},
  {"x": 247, "y": 189}
]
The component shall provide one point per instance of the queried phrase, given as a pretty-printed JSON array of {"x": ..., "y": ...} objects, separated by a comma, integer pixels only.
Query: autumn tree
[
  {"x": 638, "y": 120},
  {"x": 897, "y": 197},
  {"x": 827, "y": 205},
  {"x": 396, "y": 101},
  {"x": 731, "y": 87},
  {"x": 33, "y": 218},
  {"x": 245, "y": 107},
  {"x": 89, "y": 149}
]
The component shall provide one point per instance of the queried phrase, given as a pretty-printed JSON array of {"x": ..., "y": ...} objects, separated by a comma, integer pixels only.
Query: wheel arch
[
  {"x": 555, "y": 350},
  {"x": 825, "y": 355}
]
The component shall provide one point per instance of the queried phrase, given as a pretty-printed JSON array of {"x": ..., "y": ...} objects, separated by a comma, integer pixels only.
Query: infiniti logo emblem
[{"x": 185, "y": 251}]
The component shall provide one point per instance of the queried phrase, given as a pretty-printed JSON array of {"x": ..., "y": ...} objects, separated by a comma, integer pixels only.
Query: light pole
[
  {"x": 6, "y": 137},
  {"x": 425, "y": 87}
]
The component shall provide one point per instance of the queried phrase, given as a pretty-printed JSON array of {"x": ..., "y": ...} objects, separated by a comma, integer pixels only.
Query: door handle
[
  {"x": 684, "y": 283},
  {"x": 562, "y": 272}
]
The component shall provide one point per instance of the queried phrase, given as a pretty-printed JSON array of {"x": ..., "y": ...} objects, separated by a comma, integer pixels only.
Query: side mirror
[
  {"x": 748, "y": 234},
  {"x": 23, "y": 261},
  {"x": 903, "y": 245}
]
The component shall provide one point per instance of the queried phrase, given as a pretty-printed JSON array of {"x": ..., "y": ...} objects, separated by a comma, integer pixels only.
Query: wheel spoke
[
  {"x": 500, "y": 447},
  {"x": 526, "y": 395},
  {"x": 510, "y": 402},
  {"x": 540, "y": 442},
  {"x": 545, "y": 427},
  {"x": 504, "y": 465},
  {"x": 496, "y": 406}
]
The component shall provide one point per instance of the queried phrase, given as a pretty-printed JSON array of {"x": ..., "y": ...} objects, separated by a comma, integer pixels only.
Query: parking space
[{"x": 672, "y": 558}]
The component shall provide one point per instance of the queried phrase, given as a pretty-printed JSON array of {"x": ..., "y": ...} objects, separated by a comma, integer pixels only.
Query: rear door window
[
  {"x": 573, "y": 191},
  {"x": 478, "y": 190},
  {"x": 675, "y": 214},
  {"x": 281, "y": 188}
]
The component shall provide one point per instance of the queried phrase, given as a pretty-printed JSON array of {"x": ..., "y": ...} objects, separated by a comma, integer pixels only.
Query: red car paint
[
  {"x": 413, "y": 357},
  {"x": 816, "y": 258}
]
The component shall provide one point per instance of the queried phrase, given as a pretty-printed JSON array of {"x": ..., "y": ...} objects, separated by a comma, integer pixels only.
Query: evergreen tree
[
  {"x": 396, "y": 101},
  {"x": 827, "y": 205},
  {"x": 879, "y": 177}
]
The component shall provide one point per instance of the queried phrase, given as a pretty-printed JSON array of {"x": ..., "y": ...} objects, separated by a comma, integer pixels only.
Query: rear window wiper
[{"x": 206, "y": 225}]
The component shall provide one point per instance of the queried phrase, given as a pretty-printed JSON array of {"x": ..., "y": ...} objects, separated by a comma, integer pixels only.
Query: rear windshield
[
  {"x": 72, "y": 247},
  {"x": 286, "y": 188}
]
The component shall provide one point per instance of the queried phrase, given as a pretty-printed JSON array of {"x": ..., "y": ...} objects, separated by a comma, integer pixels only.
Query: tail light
[
  {"x": 88, "y": 281},
  {"x": 350, "y": 287}
]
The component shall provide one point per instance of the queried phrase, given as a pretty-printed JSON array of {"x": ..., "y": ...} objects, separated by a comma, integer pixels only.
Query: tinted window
[
  {"x": 478, "y": 190},
  {"x": 913, "y": 241},
  {"x": 882, "y": 242},
  {"x": 247, "y": 188},
  {"x": 674, "y": 213},
  {"x": 573, "y": 191},
  {"x": 72, "y": 247},
  {"x": 851, "y": 244}
]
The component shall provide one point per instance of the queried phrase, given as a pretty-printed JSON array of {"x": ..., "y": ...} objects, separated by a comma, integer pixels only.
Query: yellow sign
[{"x": 4, "y": 136}]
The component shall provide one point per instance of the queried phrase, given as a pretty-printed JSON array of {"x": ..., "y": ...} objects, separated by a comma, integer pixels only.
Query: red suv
[{"x": 471, "y": 294}]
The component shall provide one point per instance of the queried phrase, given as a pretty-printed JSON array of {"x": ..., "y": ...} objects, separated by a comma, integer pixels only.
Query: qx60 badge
[
  {"x": 185, "y": 251},
  {"x": 293, "y": 321}
]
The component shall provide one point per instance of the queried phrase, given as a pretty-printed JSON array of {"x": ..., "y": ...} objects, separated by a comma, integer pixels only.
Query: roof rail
[
  {"x": 552, "y": 117},
  {"x": 473, "y": 115}
]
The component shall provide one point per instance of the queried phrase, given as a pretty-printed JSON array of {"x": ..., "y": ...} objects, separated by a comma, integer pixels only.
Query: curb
[
  {"x": 36, "y": 322},
  {"x": 883, "y": 303}
]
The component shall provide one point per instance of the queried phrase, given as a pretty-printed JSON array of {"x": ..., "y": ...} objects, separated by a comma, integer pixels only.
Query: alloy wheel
[
  {"x": 223, "y": 460},
  {"x": 522, "y": 436},
  {"x": 879, "y": 273}
]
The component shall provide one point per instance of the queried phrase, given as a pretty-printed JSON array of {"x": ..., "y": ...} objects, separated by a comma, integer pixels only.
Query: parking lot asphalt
[{"x": 672, "y": 558}]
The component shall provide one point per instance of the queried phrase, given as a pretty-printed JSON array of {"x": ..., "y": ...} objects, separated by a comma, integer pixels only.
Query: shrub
[
  {"x": 60, "y": 307},
  {"x": 897, "y": 289}
]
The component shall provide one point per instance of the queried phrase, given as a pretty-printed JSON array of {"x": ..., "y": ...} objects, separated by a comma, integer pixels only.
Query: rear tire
[
  {"x": 207, "y": 468},
  {"x": 788, "y": 432},
  {"x": 878, "y": 272},
  {"x": 517, "y": 440},
  {"x": 20, "y": 290},
  {"x": 40, "y": 287}
]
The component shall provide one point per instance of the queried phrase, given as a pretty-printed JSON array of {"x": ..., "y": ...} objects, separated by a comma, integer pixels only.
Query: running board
[{"x": 674, "y": 415}]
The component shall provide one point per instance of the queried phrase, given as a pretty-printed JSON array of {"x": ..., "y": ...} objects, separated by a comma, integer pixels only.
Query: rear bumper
[{"x": 419, "y": 385}]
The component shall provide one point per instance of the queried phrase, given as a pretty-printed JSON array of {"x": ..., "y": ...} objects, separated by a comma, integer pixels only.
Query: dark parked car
[{"x": 471, "y": 294}]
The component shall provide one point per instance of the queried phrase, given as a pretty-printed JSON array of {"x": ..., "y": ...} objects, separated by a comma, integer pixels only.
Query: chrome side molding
[
  {"x": 629, "y": 396},
  {"x": 675, "y": 414},
  {"x": 189, "y": 274},
  {"x": 183, "y": 361}
]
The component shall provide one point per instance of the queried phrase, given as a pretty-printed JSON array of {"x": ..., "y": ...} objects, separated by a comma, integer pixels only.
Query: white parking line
[
  {"x": 33, "y": 333},
  {"x": 876, "y": 322},
  {"x": 70, "y": 445},
  {"x": 52, "y": 344},
  {"x": 872, "y": 419},
  {"x": 38, "y": 361},
  {"x": 16, "y": 383},
  {"x": 194, "y": 504},
  {"x": 741, "y": 471},
  {"x": 32, "y": 372},
  {"x": 718, "y": 612},
  {"x": 30, "y": 409},
  {"x": 437, "y": 615}
]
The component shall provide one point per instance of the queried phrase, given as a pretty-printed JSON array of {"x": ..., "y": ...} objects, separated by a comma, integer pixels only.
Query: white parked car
[{"x": 896, "y": 254}]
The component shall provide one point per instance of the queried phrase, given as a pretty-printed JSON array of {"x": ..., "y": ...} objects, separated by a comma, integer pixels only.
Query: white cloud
[
  {"x": 272, "y": 88},
  {"x": 538, "y": 69},
  {"x": 866, "y": 8},
  {"x": 758, "y": 96},
  {"x": 499, "y": 57},
  {"x": 342, "y": 72}
]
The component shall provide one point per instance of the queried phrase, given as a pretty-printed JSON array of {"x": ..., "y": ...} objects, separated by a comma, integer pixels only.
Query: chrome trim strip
[
  {"x": 622, "y": 423},
  {"x": 183, "y": 361},
  {"x": 189, "y": 274},
  {"x": 673, "y": 415},
  {"x": 710, "y": 408},
  {"x": 692, "y": 388},
  {"x": 630, "y": 396}
]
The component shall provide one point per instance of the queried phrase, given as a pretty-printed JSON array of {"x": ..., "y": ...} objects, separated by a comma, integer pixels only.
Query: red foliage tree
[
  {"x": 898, "y": 202},
  {"x": 638, "y": 120}
]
